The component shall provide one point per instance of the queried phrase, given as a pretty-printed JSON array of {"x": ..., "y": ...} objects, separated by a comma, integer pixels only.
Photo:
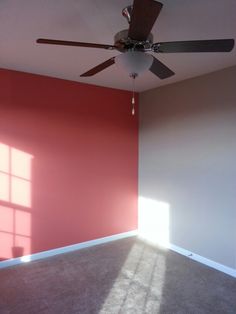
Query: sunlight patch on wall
[
  {"x": 6, "y": 219},
  {"x": 4, "y": 160},
  {"x": 24, "y": 245},
  {"x": 21, "y": 164},
  {"x": 153, "y": 221},
  {"x": 15, "y": 202},
  {"x": 22, "y": 223},
  {"x": 20, "y": 192},
  {"x": 4, "y": 187},
  {"x": 6, "y": 245},
  {"x": 15, "y": 176}
]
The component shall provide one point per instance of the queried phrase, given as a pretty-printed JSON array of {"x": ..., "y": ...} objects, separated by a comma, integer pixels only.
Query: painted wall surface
[
  {"x": 187, "y": 161},
  {"x": 68, "y": 163}
]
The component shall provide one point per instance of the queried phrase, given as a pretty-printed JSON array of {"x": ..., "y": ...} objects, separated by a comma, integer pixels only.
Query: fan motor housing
[{"x": 124, "y": 43}]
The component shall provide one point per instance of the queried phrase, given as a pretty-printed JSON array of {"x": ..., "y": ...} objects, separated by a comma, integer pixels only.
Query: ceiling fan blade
[
  {"x": 73, "y": 43},
  {"x": 99, "y": 67},
  {"x": 160, "y": 70},
  {"x": 215, "y": 45},
  {"x": 143, "y": 16}
]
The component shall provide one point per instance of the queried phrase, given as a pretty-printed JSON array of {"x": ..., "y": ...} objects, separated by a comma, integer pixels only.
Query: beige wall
[{"x": 188, "y": 159}]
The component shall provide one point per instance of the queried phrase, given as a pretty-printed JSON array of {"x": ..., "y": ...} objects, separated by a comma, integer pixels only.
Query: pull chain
[{"x": 133, "y": 76}]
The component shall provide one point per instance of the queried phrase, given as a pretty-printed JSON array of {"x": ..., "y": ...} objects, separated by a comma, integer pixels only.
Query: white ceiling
[{"x": 22, "y": 22}]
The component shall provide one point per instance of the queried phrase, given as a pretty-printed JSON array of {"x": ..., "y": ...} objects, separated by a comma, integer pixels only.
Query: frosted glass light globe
[{"x": 134, "y": 62}]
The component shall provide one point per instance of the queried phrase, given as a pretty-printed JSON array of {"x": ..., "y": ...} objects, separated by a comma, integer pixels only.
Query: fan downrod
[
  {"x": 126, "y": 12},
  {"x": 124, "y": 43}
]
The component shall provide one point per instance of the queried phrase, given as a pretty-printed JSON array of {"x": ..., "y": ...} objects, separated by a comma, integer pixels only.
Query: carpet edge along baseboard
[
  {"x": 41, "y": 255},
  {"x": 65, "y": 249}
]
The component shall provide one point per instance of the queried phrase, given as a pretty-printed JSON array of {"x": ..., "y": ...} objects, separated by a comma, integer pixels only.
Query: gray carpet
[{"x": 125, "y": 276}]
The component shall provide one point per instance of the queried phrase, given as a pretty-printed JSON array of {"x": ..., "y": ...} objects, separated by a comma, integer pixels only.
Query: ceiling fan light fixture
[
  {"x": 134, "y": 62},
  {"x": 136, "y": 41}
]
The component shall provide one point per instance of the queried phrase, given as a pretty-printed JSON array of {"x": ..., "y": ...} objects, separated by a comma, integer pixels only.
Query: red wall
[{"x": 84, "y": 143}]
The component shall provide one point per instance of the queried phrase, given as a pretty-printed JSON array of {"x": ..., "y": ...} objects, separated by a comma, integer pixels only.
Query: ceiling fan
[{"x": 135, "y": 42}]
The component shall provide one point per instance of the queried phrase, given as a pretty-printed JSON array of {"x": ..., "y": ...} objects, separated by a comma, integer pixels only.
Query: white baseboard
[
  {"x": 33, "y": 257},
  {"x": 225, "y": 269},
  {"x": 65, "y": 249}
]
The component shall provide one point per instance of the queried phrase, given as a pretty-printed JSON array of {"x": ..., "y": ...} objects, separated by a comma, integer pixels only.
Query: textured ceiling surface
[{"x": 22, "y": 22}]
